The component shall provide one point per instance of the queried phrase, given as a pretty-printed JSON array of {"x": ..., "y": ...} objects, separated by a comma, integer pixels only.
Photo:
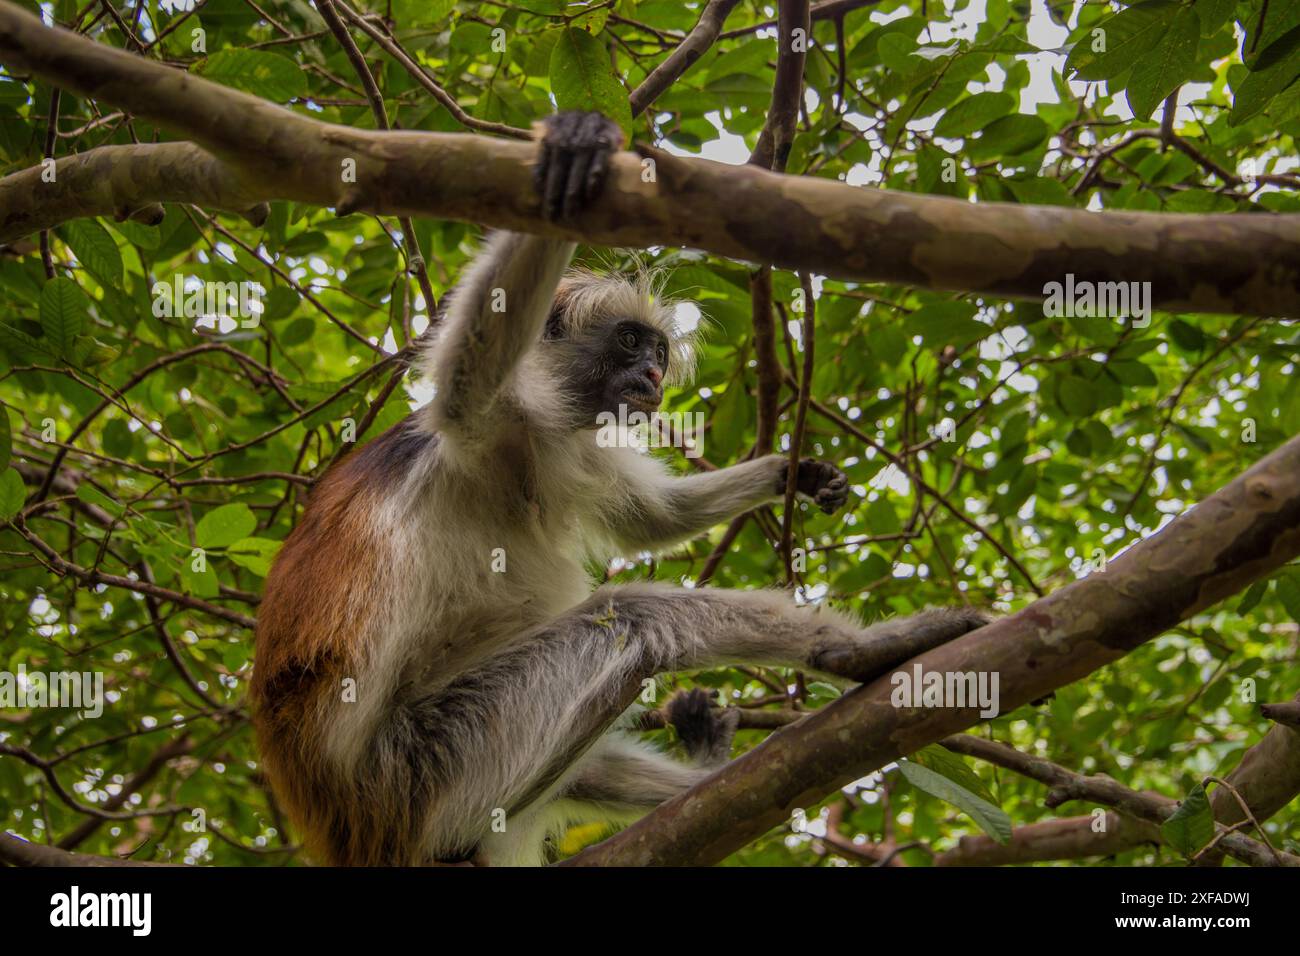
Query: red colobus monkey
[{"x": 434, "y": 679}]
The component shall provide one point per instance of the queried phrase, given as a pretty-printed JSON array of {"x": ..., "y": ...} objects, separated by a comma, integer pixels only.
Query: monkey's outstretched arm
[
  {"x": 497, "y": 313},
  {"x": 499, "y": 309},
  {"x": 676, "y": 509}
]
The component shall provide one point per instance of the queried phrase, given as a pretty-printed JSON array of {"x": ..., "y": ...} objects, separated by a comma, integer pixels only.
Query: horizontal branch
[
  {"x": 121, "y": 182},
  {"x": 1236, "y": 536},
  {"x": 1236, "y": 263},
  {"x": 1067, "y": 838},
  {"x": 17, "y": 852},
  {"x": 1068, "y": 785}
]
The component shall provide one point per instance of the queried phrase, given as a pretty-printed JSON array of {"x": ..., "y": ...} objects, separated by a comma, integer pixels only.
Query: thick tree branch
[
  {"x": 1238, "y": 263},
  {"x": 1234, "y": 537}
]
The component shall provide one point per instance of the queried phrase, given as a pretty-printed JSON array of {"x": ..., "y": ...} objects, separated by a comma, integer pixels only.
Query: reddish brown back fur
[{"x": 309, "y": 638}]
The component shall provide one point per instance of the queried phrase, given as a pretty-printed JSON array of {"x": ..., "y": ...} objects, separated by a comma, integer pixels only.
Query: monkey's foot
[
  {"x": 886, "y": 645},
  {"x": 706, "y": 731}
]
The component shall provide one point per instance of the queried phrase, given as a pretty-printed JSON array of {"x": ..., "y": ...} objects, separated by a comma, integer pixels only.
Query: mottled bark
[{"x": 1237, "y": 263}]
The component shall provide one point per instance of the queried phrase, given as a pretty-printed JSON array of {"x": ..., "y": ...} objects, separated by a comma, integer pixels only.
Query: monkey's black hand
[
  {"x": 821, "y": 481},
  {"x": 575, "y": 151}
]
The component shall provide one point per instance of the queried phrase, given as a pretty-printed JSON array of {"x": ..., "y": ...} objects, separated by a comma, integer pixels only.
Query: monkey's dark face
[{"x": 619, "y": 364}]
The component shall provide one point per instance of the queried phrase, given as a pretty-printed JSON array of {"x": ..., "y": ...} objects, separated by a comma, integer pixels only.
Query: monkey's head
[{"x": 613, "y": 343}]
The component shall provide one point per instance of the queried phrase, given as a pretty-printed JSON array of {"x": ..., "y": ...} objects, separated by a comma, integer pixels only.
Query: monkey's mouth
[{"x": 642, "y": 401}]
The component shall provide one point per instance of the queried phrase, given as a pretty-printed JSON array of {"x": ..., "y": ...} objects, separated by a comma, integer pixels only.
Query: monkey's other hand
[
  {"x": 821, "y": 481},
  {"x": 704, "y": 730},
  {"x": 889, "y": 644},
  {"x": 574, "y": 160}
]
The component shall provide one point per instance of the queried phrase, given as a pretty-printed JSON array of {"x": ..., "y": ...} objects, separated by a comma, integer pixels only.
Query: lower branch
[
  {"x": 1238, "y": 535},
  {"x": 1069, "y": 838},
  {"x": 16, "y": 852},
  {"x": 1067, "y": 785}
]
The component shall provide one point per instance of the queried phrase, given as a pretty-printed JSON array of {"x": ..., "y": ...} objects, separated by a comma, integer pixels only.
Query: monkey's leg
[
  {"x": 690, "y": 628},
  {"x": 503, "y": 738}
]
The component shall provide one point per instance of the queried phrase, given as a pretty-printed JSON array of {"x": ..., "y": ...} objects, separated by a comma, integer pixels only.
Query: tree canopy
[{"x": 934, "y": 182}]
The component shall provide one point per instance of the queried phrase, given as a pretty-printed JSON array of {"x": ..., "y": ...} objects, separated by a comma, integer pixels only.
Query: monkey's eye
[
  {"x": 627, "y": 339},
  {"x": 662, "y": 355}
]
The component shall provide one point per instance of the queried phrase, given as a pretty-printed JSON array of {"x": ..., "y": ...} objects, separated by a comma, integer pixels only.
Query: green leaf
[
  {"x": 256, "y": 554},
  {"x": 280, "y": 303},
  {"x": 1120, "y": 40},
  {"x": 1192, "y": 824},
  {"x": 12, "y": 493},
  {"x": 1186, "y": 336},
  {"x": 1077, "y": 396},
  {"x": 63, "y": 313},
  {"x": 1008, "y": 136},
  {"x": 1162, "y": 70},
  {"x": 411, "y": 12},
  {"x": 974, "y": 113},
  {"x": 1214, "y": 14},
  {"x": 582, "y": 78},
  {"x": 1288, "y": 592},
  {"x": 268, "y": 75},
  {"x": 1272, "y": 73},
  {"x": 93, "y": 496},
  {"x": 225, "y": 525},
  {"x": 953, "y": 767},
  {"x": 203, "y": 583},
  {"x": 987, "y": 816},
  {"x": 6, "y": 439},
  {"x": 947, "y": 323},
  {"x": 117, "y": 438},
  {"x": 1136, "y": 374},
  {"x": 95, "y": 249},
  {"x": 298, "y": 331},
  {"x": 1254, "y": 594}
]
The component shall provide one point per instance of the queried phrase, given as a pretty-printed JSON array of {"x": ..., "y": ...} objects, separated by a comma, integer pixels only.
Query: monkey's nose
[{"x": 655, "y": 375}]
